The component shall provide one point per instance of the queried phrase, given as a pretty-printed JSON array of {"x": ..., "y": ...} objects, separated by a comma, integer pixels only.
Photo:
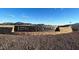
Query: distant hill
[
  {"x": 17, "y": 23},
  {"x": 21, "y": 23}
]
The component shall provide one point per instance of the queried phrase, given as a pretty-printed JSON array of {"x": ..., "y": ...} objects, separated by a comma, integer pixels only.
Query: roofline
[{"x": 64, "y": 25}]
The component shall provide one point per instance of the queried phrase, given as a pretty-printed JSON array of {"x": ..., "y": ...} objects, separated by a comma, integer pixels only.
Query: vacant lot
[{"x": 40, "y": 42}]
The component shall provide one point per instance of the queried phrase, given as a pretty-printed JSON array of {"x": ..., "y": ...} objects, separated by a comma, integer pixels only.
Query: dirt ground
[{"x": 67, "y": 41}]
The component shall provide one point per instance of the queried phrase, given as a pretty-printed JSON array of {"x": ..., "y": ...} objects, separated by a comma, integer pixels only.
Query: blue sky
[{"x": 52, "y": 16}]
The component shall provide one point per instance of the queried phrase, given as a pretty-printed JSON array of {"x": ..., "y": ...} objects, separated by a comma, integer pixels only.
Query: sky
[{"x": 49, "y": 16}]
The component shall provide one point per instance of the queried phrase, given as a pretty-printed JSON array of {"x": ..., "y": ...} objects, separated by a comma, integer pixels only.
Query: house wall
[
  {"x": 65, "y": 29},
  {"x": 6, "y": 28},
  {"x": 22, "y": 28}
]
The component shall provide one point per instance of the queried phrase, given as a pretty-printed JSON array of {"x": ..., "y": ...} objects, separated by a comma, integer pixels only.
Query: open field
[
  {"x": 40, "y": 33},
  {"x": 67, "y": 41}
]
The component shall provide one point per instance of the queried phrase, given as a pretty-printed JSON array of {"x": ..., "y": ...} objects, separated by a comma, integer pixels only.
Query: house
[
  {"x": 6, "y": 28},
  {"x": 30, "y": 28},
  {"x": 64, "y": 28},
  {"x": 13, "y": 28}
]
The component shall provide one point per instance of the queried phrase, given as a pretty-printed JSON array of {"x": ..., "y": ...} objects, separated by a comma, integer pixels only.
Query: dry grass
[
  {"x": 40, "y": 42},
  {"x": 40, "y": 33}
]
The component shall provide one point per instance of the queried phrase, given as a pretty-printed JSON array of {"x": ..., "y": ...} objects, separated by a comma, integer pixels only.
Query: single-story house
[
  {"x": 27, "y": 28},
  {"x": 13, "y": 28},
  {"x": 64, "y": 28}
]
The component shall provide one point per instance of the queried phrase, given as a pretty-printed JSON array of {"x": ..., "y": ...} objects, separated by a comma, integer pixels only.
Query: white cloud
[
  {"x": 12, "y": 16},
  {"x": 24, "y": 16}
]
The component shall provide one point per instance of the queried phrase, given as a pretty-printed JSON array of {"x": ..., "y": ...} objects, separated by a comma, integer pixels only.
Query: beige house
[
  {"x": 6, "y": 28},
  {"x": 13, "y": 28},
  {"x": 23, "y": 28},
  {"x": 65, "y": 28}
]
